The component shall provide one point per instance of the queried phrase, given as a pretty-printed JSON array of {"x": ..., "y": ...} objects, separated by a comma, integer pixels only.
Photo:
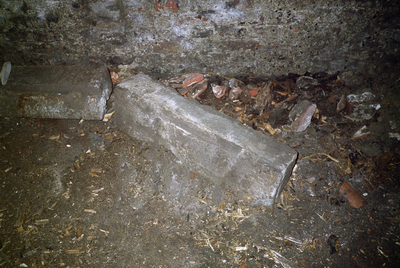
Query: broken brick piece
[
  {"x": 158, "y": 6},
  {"x": 172, "y": 4},
  {"x": 355, "y": 199},
  {"x": 253, "y": 92},
  {"x": 198, "y": 88},
  {"x": 192, "y": 79}
]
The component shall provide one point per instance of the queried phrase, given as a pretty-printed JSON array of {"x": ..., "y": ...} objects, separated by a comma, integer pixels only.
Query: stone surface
[
  {"x": 301, "y": 115},
  {"x": 261, "y": 38},
  {"x": 306, "y": 81},
  {"x": 64, "y": 92},
  {"x": 233, "y": 156}
]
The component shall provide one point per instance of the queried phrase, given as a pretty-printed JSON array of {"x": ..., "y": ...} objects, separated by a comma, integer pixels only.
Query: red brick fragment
[
  {"x": 253, "y": 92},
  {"x": 192, "y": 79},
  {"x": 183, "y": 91},
  {"x": 158, "y": 6},
  {"x": 355, "y": 199},
  {"x": 196, "y": 90},
  {"x": 172, "y": 4}
]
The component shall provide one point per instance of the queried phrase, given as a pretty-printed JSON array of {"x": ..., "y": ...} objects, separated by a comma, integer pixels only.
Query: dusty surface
[
  {"x": 83, "y": 194},
  {"x": 235, "y": 37}
]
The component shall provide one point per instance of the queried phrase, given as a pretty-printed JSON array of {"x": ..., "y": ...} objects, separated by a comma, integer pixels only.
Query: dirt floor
[{"x": 83, "y": 194}]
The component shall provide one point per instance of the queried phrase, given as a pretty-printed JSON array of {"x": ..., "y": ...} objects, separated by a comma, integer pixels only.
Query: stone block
[
  {"x": 63, "y": 92},
  {"x": 233, "y": 156}
]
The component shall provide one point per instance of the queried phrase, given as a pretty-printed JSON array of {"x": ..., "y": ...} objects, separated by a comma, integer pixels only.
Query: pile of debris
[{"x": 265, "y": 103}]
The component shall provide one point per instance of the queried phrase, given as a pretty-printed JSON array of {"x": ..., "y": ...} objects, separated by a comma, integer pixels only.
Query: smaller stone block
[{"x": 62, "y": 92}]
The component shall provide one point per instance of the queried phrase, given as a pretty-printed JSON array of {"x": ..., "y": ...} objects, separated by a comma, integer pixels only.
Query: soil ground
[{"x": 83, "y": 194}]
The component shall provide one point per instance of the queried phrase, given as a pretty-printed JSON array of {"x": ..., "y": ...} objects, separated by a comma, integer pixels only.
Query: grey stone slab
[
  {"x": 64, "y": 92},
  {"x": 233, "y": 156}
]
